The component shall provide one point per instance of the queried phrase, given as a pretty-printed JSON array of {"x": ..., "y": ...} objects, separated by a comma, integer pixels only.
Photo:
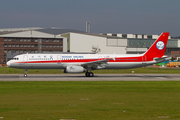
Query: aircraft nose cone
[{"x": 8, "y": 64}]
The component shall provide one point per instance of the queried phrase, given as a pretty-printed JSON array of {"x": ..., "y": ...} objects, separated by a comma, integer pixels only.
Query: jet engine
[{"x": 74, "y": 69}]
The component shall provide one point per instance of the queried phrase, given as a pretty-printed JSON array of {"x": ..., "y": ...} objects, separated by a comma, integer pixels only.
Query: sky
[{"x": 105, "y": 16}]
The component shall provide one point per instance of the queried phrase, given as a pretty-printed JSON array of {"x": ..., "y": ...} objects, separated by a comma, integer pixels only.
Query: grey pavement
[{"x": 97, "y": 77}]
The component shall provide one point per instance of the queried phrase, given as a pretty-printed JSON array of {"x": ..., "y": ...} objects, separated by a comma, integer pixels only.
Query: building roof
[
  {"x": 52, "y": 31},
  {"x": 56, "y": 31},
  {"x": 99, "y": 35},
  {"x": 8, "y": 32},
  {"x": 16, "y": 30}
]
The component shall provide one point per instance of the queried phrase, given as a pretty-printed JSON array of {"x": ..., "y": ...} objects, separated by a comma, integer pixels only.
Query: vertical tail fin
[{"x": 158, "y": 47}]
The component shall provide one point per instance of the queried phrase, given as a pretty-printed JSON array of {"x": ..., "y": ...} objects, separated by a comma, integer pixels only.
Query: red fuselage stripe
[{"x": 128, "y": 59}]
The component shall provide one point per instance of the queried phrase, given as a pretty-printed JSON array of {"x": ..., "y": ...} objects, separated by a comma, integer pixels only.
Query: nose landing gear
[{"x": 25, "y": 75}]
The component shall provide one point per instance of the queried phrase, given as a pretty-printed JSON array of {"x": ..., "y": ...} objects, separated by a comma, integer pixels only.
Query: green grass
[
  {"x": 7, "y": 70},
  {"x": 90, "y": 100}
]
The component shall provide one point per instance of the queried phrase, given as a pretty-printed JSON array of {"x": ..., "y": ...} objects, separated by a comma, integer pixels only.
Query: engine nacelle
[{"x": 74, "y": 69}]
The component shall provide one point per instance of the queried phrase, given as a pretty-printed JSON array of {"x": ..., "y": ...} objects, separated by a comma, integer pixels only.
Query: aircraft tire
[
  {"x": 25, "y": 75},
  {"x": 91, "y": 74},
  {"x": 87, "y": 74}
]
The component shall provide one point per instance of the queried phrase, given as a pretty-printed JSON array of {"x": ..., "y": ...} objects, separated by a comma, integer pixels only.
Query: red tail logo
[{"x": 158, "y": 47}]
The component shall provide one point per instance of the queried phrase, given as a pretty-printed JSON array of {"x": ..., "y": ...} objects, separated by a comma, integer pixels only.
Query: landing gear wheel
[
  {"x": 91, "y": 74},
  {"x": 25, "y": 75},
  {"x": 87, "y": 74}
]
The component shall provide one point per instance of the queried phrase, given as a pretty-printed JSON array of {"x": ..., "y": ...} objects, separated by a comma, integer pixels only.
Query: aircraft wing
[{"x": 94, "y": 64}]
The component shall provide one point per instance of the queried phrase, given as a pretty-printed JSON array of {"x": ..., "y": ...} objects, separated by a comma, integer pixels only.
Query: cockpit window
[{"x": 15, "y": 59}]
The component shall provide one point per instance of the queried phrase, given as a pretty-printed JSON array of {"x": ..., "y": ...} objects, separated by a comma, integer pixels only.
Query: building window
[
  {"x": 60, "y": 46},
  {"x": 13, "y": 51},
  {"x": 54, "y": 40},
  {"x": 21, "y": 45},
  {"x": 21, "y": 40},
  {"x": 9, "y": 51},
  {"x": 36, "y": 40},
  {"x": 17, "y": 51},
  {"x": 43, "y": 40},
  {"x": 25, "y": 40},
  {"x": 61, "y": 40},
  {"x": 114, "y": 35},
  {"x": 32, "y": 51},
  {"x": 32, "y": 40},
  {"x": 9, "y": 45},
  {"x": 9, "y": 40},
  {"x": 36, "y": 51},
  {"x": 29, "y": 40},
  {"x": 5, "y": 39},
  {"x": 28, "y": 45},
  {"x": 5, "y": 51},
  {"x": 142, "y": 36},
  {"x": 24, "y": 51},
  {"x": 36, "y": 46},
  {"x": 13, "y": 45},
  {"x": 149, "y": 36},
  {"x": 46, "y": 45},
  {"x": 50, "y": 40},
  {"x": 57, "y": 46},
  {"x": 17, "y": 45},
  {"x": 47, "y": 40},
  {"x": 21, "y": 51},
  {"x": 54, "y": 46},
  {"x": 13, "y": 40},
  {"x": 50, "y": 45},
  {"x": 131, "y": 43},
  {"x": 5, "y": 45},
  {"x": 136, "y": 35},
  {"x": 32, "y": 45},
  {"x": 43, "y": 45},
  {"x": 124, "y": 35},
  {"x": 57, "y": 40},
  {"x": 25, "y": 45}
]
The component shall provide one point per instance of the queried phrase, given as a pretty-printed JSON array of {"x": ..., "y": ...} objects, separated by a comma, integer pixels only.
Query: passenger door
[
  {"x": 58, "y": 59},
  {"x": 25, "y": 59}
]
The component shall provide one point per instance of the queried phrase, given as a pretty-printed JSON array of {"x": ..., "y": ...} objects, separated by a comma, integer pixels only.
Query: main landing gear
[
  {"x": 89, "y": 74},
  {"x": 25, "y": 75}
]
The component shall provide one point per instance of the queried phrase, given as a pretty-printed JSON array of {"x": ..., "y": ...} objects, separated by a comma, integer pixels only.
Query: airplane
[{"x": 79, "y": 63}]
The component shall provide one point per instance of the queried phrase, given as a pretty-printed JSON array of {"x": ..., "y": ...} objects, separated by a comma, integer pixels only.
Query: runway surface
[{"x": 97, "y": 77}]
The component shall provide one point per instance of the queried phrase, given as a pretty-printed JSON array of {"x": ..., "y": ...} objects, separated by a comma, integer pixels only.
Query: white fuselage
[{"x": 61, "y": 61}]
